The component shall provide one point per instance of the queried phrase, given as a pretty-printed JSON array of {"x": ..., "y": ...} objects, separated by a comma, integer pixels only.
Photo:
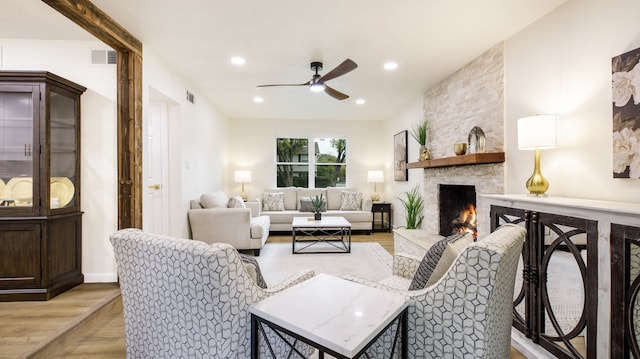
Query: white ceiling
[{"x": 429, "y": 39}]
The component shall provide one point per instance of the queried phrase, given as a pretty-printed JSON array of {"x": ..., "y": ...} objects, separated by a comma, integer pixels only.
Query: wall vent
[
  {"x": 190, "y": 97},
  {"x": 103, "y": 57}
]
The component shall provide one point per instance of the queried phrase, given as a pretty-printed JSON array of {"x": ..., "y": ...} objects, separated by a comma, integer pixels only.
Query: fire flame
[{"x": 467, "y": 220}]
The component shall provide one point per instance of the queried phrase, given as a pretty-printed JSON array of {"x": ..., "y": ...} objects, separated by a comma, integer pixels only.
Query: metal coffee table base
[
  {"x": 258, "y": 331},
  {"x": 309, "y": 239}
]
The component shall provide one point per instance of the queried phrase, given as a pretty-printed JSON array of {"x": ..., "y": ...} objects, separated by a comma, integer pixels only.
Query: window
[{"x": 298, "y": 166}]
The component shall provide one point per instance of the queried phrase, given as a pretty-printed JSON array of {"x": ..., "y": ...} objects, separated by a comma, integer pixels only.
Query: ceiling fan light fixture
[{"x": 317, "y": 87}]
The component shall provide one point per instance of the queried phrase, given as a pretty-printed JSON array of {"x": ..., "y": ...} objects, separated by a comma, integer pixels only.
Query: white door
[{"x": 155, "y": 171}]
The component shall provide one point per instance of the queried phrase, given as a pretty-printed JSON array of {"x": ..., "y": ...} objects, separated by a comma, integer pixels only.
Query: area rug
[{"x": 367, "y": 260}]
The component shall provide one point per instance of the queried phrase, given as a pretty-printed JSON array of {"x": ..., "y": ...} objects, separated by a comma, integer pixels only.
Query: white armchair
[
  {"x": 242, "y": 227},
  {"x": 188, "y": 299},
  {"x": 467, "y": 312}
]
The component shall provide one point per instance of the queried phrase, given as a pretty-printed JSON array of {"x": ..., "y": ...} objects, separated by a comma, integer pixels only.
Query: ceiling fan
[{"x": 317, "y": 83}]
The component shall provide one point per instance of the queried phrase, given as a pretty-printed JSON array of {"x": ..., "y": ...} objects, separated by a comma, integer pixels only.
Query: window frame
[{"x": 312, "y": 162}]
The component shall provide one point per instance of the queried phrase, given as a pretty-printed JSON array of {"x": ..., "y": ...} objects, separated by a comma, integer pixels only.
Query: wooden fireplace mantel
[{"x": 464, "y": 160}]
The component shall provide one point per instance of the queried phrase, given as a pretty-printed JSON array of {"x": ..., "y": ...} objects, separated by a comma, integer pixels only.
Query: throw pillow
[
  {"x": 247, "y": 259},
  {"x": 273, "y": 201},
  {"x": 448, "y": 257},
  {"x": 305, "y": 204},
  {"x": 351, "y": 201},
  {"x": 214, "y": 200},
  {"x": 431, "y": 258},
  {"x": 236, "y": 202}
]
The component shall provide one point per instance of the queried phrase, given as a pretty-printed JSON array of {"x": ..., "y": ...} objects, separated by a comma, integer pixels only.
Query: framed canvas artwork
[
  {"x": 625, "y": 82},
  {"x": 400, "y": 170}
]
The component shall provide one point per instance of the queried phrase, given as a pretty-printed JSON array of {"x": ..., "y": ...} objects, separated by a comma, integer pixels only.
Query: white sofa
[
  {"x": 213, "y": 220},
  {"x": 281, "y": 220}
]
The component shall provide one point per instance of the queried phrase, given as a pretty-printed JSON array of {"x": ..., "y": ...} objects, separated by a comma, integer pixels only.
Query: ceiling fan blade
[
  {"x": 346, "y": 66},
  {"x": 335, "y": 93},
  {"x": 274, "y": 85}
]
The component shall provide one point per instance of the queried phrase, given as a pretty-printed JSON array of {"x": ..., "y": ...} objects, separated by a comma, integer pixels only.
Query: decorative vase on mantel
[{"x": 424, "y": 153}]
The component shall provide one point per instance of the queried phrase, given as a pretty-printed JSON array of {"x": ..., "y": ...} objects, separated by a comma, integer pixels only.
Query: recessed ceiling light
[
  {"x": 360, "y": 101},
  {"x": 258, "y": 99},
  {"x": 391, "y": 65},
  {"x": 238, "y": 61}
]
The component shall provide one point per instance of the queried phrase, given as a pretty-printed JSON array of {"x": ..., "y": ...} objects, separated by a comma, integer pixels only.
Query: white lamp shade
[
  {"x": 375, "y": 176},
  {"x": 538, "y": 131},
  {"x": 242, "y": 176}
]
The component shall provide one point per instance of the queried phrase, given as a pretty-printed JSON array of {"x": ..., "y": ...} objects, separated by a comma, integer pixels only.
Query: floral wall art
[{"x": 626, "y": 114}]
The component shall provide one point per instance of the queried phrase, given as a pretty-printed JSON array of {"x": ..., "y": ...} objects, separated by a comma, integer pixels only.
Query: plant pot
[{"x": 317, "y": 216}]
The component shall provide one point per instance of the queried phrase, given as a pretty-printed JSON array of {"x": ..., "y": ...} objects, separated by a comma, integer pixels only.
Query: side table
[
  {"x": 338, "y": 317},
  {"x": 382, "y": 209}
]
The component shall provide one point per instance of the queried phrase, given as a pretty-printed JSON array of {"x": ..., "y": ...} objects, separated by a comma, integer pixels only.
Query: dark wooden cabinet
[
  {"x": 625, "y": 291},
  {"x": 40, "y": 217},
  {"x": 557, "y": 301}
]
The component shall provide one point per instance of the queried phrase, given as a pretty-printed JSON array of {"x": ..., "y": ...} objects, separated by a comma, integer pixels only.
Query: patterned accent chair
[
  {"x": 188, "y": 299},
  {"x": 468, "y": 312}
]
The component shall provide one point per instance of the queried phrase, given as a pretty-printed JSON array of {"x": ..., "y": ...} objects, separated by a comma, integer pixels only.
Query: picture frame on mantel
[
  {"x": 400, "y": 170},
  {"x": 625, "y": 72}
]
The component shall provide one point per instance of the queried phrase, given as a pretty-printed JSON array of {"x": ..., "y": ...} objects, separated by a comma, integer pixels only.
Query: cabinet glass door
[
  {"x": 64, "y": 147},
  {"x": 16, "y": 146}
]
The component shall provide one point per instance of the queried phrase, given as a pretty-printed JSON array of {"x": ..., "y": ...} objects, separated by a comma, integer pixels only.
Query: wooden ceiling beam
[{"x": 129, "y": 101}]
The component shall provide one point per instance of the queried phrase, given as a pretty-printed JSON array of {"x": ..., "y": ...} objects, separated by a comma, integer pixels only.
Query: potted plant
[
  {"x": 419, "y": 133},
  {"x": 413, "y": 204},
  {"x": 318, "y": 204}
]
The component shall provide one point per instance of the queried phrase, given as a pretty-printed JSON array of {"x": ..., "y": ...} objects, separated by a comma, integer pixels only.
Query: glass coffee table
[
  {"x": 328, "y": 235},
  {"x": 338, "y": 317}
]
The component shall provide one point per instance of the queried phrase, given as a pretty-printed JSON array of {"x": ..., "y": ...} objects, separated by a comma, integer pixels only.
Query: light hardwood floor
[{"x": 26, "y": 325}]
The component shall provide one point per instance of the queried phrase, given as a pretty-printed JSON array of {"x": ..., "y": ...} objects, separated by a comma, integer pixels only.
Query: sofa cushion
[
  {"x": 432, "y": 258},
  {"x": 290, "y": 196},
  {"x": 273, "y": 201},
  {"x": 334, "y": 196},
  {"x": 216, "y": 199},
  {"x": 351, "y": 201},
  {"x": 283, "y": 216},
  {"x": 236, "y": 202}
]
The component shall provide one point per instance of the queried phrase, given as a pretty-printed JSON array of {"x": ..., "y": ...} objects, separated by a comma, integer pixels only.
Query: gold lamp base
[
  {"x": 537, "y": 184},
  {"x": 243, "y": 194},
  {"x": 375, "y": 197}
]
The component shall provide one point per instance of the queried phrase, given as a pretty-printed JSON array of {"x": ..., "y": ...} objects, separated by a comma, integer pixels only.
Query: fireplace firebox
[{"x": 456, "y": 207}]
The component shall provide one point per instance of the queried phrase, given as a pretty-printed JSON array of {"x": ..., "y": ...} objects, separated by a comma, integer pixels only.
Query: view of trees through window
[{"x": 319, "y": 166}]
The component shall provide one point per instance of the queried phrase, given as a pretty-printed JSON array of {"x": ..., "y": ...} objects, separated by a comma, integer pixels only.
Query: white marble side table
[{"x": 338, "y": 317}]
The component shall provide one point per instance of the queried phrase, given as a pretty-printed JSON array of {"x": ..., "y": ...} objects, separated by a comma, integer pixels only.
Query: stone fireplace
[
  {"x": 484, "y": 178},
  {"x": 472, "y": 96}
]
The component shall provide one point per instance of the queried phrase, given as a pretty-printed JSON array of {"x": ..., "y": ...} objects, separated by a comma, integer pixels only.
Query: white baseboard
[
  {"x": 527, "y": 347},
  {"x": 100, "y": 277}
]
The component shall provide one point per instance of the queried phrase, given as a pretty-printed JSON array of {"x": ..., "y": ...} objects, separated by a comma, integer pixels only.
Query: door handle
[{"x": 155, "y": 186}]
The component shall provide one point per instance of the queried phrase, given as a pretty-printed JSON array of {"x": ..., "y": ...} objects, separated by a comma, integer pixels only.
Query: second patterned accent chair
[
  {"x": 188, "y": 299},
  {"x": 468, "y": 312}
]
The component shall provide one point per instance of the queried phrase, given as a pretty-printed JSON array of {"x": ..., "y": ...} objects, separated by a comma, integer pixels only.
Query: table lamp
[
  {"x": 536, "y": 133},
  {"x": 375, "y": 176},
  {"x": 242, "y": 177}
]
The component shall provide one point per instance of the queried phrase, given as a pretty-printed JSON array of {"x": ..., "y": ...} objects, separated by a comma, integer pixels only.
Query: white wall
[
  {"x": 406, "y": 119},
  {"x": 197, "y": 139},
  {"x": 562, "y": 64},
  {"x": 197, "y": 134},
  {"x": 252, "y": 147}
]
